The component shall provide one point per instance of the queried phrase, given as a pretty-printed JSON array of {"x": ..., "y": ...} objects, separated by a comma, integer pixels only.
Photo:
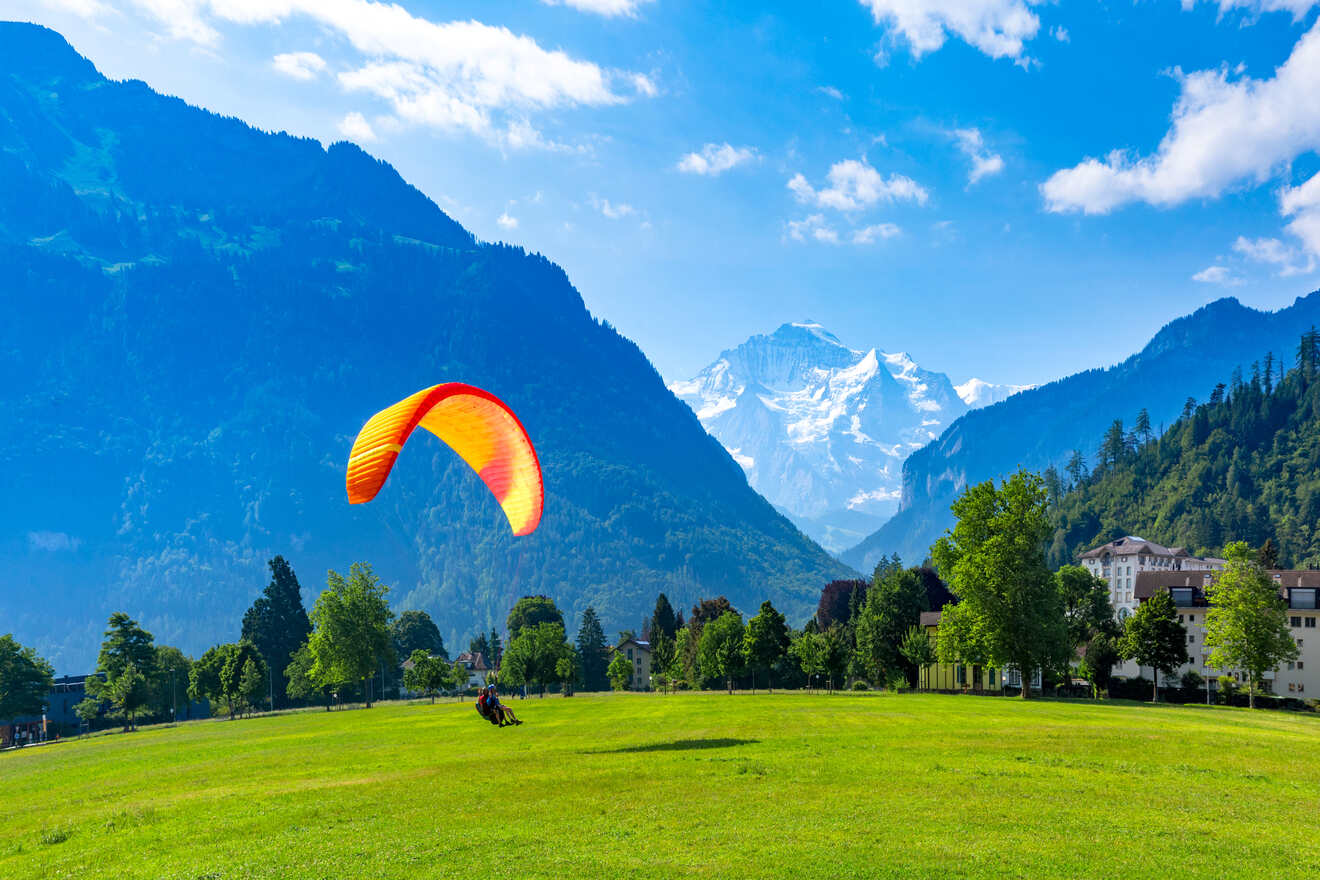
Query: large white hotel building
[{"x": 1119, "y": 562}]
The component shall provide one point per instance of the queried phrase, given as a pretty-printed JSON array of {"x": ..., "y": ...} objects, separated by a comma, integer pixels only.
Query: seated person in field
[{"x": 490, "y": 707}]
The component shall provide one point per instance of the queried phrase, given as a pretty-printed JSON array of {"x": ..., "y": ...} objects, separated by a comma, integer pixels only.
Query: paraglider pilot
[{"x": 490, "y": 707}]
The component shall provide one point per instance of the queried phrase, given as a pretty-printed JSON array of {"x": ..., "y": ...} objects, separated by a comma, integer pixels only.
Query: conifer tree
[
  {"x": 1143, "y": 428},
  {"x": 277, "y": 622},
  {"x": 591, "y": 650},
  {"x": 663, "y": 619}
]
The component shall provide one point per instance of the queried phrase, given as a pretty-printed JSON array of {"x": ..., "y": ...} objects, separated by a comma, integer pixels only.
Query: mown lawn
[{"x": 785, "y": 785}]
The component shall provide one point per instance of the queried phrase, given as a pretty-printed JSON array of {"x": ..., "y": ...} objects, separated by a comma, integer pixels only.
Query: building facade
[
  {"x": 955, "y": 676},
  {"x": 475, "y": 664},
  {"x": 638, "y": 653},
  {"x": 1299, "y": 589},
  {"x": 1119, "y": 562}
]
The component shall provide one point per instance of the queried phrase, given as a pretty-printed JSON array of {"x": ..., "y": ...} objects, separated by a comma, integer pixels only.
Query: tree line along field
[{"x": 693, "y": 784}]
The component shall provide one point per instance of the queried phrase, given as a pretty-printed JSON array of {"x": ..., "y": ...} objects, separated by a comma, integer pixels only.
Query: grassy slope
[{"x": 650, "y": 786}]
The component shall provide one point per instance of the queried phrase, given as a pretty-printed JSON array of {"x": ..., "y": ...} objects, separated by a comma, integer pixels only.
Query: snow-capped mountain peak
[
  {"x": 977, "y": 393},
  {"x": 820, "y": 428}
]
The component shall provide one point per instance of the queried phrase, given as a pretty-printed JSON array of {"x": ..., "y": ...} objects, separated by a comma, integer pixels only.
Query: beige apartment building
[
  {"x": 638, "y": 653},
  {"x": 1299, "y": 678},
  {"x": 1119, "y": 562}
]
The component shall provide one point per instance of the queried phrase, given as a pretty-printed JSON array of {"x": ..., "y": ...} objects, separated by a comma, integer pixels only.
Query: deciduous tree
[
  {"x": 533, "y": 655},
  {"x": 994, "y": 561},
  {"x": 809, "y": 649},
  {"x": 1086, "y": 608},
  {"x": 1153, "y": 637},
  {"x": 765, "y": 641},
  {"x": 720, "y": 652},
  {"x": 25, "y": 679},
  {"x": 427, "y": 674},
  {"x": 531, "y": 611},
  {"x": 302, "y": 684},
  {"x": 351, "y": 628},
  {"x": 893, "y": 606},
  {"x": 620, "y": 671},
  {"x": 414, "y": 631},
  {"x": 1246, "y": 627},
  {"x": 1097, "y": 665},
  {"x": 918, "y": 649},
  {"x": 129, "y": 693}
]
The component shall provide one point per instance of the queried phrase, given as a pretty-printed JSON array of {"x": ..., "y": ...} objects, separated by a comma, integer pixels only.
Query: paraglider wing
[{"x": 475, "y": 424}]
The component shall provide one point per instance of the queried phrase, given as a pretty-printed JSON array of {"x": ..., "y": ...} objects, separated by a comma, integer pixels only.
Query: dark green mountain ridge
[
  {"x": 199, "y": 317},
  {"x": 1246, "y": 468}
]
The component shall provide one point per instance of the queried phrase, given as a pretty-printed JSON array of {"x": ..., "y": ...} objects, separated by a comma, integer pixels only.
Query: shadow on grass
[{"x": 680, "y": 745}]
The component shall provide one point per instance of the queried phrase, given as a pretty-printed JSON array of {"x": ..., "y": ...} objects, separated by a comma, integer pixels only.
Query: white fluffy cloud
[
  {"x": 813, "y": 227},
  {"x": 1286, "y": 259},
  {"x": 355, "y": 127},
  {"x": 1302, "y": 204},
  {"x": 507, "y": 222},
  {"x": 53, "y": 542},
  {"x": 612, "y": 210},
  {"x": 607, "y": 8},
  {"x": 1217, "y": 275},
  {"x": 855, "y": 185},
  {"x": 868, "y": 234},
  {"x": 299, "y": 65},
  {"x": 999, "y": 28},
  {"x": 458, "y": 75},
  {"x": 984, "y": 162},
  {"x": 715, "y": 159},
  {"x": 1298, "y": 8},
  {"x": 1226, "y": 130}
]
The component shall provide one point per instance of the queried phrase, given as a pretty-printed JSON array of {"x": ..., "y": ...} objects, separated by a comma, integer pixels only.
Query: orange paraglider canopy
[{"x": 475, "y": 424}]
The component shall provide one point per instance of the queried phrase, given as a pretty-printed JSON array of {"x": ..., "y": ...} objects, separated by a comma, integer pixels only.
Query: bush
[{"x": 860, "y": 686}]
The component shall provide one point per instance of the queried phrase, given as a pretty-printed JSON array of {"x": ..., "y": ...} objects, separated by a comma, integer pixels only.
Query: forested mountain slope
[
  {"x": 1043, "y": 426},
  {"x": 1245, "y": 466},
  {"x": 200, "y": 316}
]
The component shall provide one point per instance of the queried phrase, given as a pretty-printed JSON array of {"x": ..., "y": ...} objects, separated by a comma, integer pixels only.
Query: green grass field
[{"x": 650, "y": 786}]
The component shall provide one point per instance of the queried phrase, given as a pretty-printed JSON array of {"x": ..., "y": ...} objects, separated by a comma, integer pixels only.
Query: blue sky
[{"x": 1006, "y": 190}]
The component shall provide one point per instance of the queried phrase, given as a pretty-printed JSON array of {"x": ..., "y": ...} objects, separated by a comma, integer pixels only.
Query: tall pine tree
[
  {"x": 592, "y": 650},
  {"x": 277, "y": 622},
  {"x": 663, "y": 619}
]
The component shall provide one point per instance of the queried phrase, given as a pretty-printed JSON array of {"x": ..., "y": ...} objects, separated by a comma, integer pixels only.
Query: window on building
[
  {"x": 1301, "y": 664},
  {"x": 1295, "y": 621},
  {"x": 1191, "y": 618},
  {"x": 1191, "y": 639},
  {"x": 1310, "y": 623},
  {"x": 1182, "y": 596},
  {"x": 1303, "y": 598},
  {"x": 630, "y": 656},
  {"x": 1292, "y": 687},
  {"x": 1291, "y": 666}
]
